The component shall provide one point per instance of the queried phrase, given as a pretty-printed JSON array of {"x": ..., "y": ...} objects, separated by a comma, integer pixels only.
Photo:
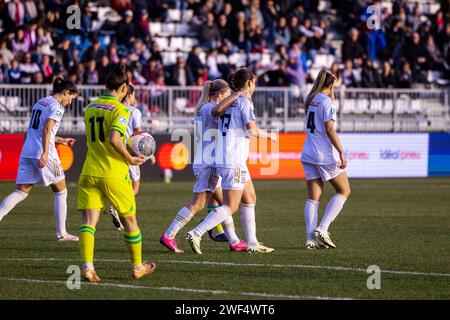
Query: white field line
[
  {"x": 233, "y": 264},
  {"x": 214, "y": 292}
]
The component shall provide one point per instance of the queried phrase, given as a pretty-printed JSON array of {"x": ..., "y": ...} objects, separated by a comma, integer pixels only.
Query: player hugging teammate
[{"x": 235, "y": 125}]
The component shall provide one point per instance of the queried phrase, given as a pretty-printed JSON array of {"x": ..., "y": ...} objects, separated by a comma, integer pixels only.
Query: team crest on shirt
[
  {"x": 123, "y": 120},
  {"x": 59, "y": 114}
]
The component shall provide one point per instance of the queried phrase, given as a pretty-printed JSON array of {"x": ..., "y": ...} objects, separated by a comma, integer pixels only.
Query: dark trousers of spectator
[{"x": 375, "y": 43}]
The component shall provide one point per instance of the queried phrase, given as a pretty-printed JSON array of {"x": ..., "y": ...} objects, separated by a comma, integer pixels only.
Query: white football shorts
[
  {"x": 135, "y": 173},
  {"x": 30, "y": 173},
  {"x": 323, "y": 172},
  {"x": 234, "y": 178},
  {"x": 206, "y": 179}
]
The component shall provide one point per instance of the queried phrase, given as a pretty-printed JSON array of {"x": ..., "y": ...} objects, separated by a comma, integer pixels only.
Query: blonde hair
[
  {"x": 210, "y": 89},
  {"x": 323, "y": 80}
]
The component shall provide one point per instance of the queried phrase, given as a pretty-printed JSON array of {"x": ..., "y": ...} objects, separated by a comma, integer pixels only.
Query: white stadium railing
[{"x": 168, "y": 108}]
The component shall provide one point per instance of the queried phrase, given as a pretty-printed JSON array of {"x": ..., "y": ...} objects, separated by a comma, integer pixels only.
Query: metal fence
[{"x": 168, "y": 108}]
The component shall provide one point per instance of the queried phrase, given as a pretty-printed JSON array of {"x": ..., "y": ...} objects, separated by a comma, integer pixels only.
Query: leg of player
[
  {"x": 60, "y": 211},
  {"x": 10, "y": 201},
  {"x": 231, "y": 200},
  {"x": 183, "y": 216},
  {"x": 136, "y": 184},
  {"x": 248, "y": 219},
  {"x": 315, "y": 188},
  {"x": 334, "y": 207},
  {"x": 217, "y": 233},
  {"x": 87, "y": 241},
  {"x": 133, "y": 240}
]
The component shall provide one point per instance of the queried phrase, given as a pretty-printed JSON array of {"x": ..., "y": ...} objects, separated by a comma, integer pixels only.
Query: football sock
[
  {"x": 11, "y": 201},
  {"x": 212, "y": 219},
  {"x": 230, "y": 232},
  {"x": 217, "y": 229},
  {"x": 87, "y": 240},
  {"x": 181, "y": 219},
  {"x": 311, "y": 208},
  {"x": 334, "y": 206},
  {"x": 248, "y": 221},
  {"x": 60, "y": 212},
  {"x": 133, "y": 241}
]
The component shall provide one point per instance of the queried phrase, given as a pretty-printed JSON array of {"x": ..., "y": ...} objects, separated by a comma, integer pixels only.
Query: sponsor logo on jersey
[
  {"x": 59, "y": 114},
  {"x": 123, "y": 120}
]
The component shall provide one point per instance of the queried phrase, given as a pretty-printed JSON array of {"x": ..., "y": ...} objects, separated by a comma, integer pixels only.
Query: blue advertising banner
[{"x": 439, "y": 154}]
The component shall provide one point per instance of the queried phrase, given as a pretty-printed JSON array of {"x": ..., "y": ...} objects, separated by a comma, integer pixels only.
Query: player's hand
[
  {"x": 43, "y": 160},
  {"x": 137, "y": 161},
  {"x": 343, "y": 161},
  {"x": 272, "y": 136},
  {"x": 152, "y": 159},
  {"x": 68, "y": 141}
]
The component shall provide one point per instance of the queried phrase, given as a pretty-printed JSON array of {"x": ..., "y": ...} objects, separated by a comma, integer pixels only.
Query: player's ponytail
[
  {"x": 116, "y": 77},
  {"x": 237, "y": 80},
  {"x": 61, "y": 86},
  {"x": 129, "y": 93},
  {"x": 204, "y": 98},
  {"x": 324, "y": 80}
]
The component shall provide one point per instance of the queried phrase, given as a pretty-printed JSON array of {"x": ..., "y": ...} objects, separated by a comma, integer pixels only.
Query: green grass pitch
[{"x": 400, "y": 225}]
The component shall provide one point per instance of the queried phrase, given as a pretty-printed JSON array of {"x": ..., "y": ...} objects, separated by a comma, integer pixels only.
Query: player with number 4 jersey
[
  {"x": 39, "y": 160},
  {"x": 323, "y": 159}
]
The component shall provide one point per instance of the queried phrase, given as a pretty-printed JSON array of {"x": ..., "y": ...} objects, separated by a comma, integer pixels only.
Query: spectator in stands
[
  {"x": 294, "y": 27},
  {"x": 46, "y": 69},
  {"x": 16, "y": 11},
  {"x": 44, "y": 39},
  {"x": 238, "y": 32},
  {"x": 14, "y": 72},
  {"x": 306, "y": 30},
  {"x": 194, "y": 63},
  {"x": 3, "y": 71},
  {"x": 352, "y": 48},
  {"x": 38, "y": 78},
  {"x": 27, "y": 69},
  {"x": 405, "y": 78},
  {"x": 254, "y": 11},
  {"x": 388, "y": 79},
  {"x": 95, "y": 52},
  {"x": 5, "y": 53},
  {"x": 370, "y": 76},
  {"x": 349, "y": 77},
  {"x": 126, "y": 31},
  {"x": 254, "y": 36},
  {"x": 103, "y": 68},
  {"x": 270, "y": 12},
  {"x": 155, "y": 52},
  {"x": 224, "y": 28},
  {"x": 417, "y": 55},
  {"x": 435, "y": 57},
  {"x": 281, "y": 34},
  {"x": 443, "y": 38},
  {"x": 209, "y": 33},
  {"x": 180, "y": 74},
  {"x": 280, "y": 53},
  {"x": 20, "y": 44},
  {"x": 143, "y": 29},
  {"x": 91, "y": 74},
  {"x": 64, "y": 52},
  {"x": 211, "y": 64},
  {"x": 152, "y": 70},
  {"x": 277, "y": 77},
  {"x": 113, "y": 55},
  {"x": 295, "y": 70}
]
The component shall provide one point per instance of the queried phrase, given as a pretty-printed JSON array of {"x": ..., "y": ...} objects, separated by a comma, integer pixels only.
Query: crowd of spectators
[{"x": 36, "y": 46}]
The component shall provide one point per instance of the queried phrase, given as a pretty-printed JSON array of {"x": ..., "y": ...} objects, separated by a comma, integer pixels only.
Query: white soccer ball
[{"x": 142, "y": 145}]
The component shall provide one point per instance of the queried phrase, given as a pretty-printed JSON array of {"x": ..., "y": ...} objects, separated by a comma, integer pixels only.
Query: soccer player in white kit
[
  {"x": 214, "y": 101},
  {"x": 235, "y": 127},
  {"x": 39, "y": 160},
  {"x": 323, "y": 159},
  {"x": 134, "y": 127}
]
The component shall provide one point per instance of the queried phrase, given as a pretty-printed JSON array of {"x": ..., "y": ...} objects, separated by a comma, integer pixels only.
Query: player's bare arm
[
  {"x": 256, "y": 132},
  {"x": 46, "y": 133},
  {"x": 119, "y": 146},
  {"x": 227, "y": 102},
  {"x": 332, "y": 135},
  {"x": 65, "y": 141}
]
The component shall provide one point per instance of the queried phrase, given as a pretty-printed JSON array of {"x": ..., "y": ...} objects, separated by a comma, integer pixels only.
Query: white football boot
[
  {"x": 323, "y": 238},
  {"x": 194, "y": 241}
]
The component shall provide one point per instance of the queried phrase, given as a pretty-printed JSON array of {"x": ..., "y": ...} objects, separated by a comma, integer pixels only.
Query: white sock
[
  {"x": 88, "y": 265},
  {"x": 60, "y": 212},
  {"x": 334, "y": 206},
  {"x": 11, "y": 201},
  {"x": 311, "y": 208},
  {"x": 212, "y": 219},
  {"x": 181, "y": 219},
  {"x": 248, "y": 221},
  {"x": 230, "y": 231}
]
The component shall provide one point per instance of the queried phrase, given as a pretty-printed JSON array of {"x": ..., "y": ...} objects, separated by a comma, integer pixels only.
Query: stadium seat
[
  {"x": 376, "y": 105},
  {"x": 182, "y": 29},
  {"x": 239, "y": 59},
  {"x": 169, "y": 57},
  {"x": 402, "y": 106},
  {"x": 174, "y": 15},
  {"x": 162, "y": 42},
  {"x": 388, "y": 106},
  {"x": 168, "y": 29},
  {"x": 416, "y": 106},
  {"x": 155, "y": 28},
  {"x": 180, "y": 104},
  {"x": 190, "y": 42},
  {"x": 177, "y": 43},
  {"x": 348, "y": 106},
  {"x": 187, "y": 15},
  {"x": 361, "y": 106}
]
